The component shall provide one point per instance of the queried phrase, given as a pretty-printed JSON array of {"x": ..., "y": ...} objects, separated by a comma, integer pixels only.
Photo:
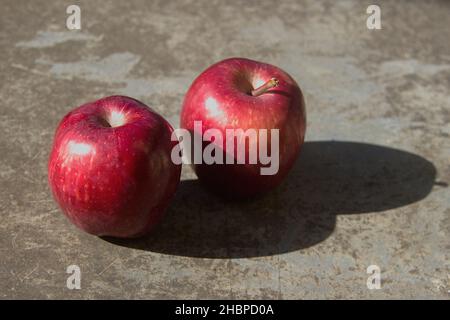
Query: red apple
[
  {"x": 110, "y": 168},
  {"x": 244, "y": 94}
]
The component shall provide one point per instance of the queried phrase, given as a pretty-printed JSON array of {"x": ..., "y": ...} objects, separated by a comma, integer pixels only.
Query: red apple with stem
[
  {"x": 244, "y": 94},
  {"x": 110, "y": 168}
]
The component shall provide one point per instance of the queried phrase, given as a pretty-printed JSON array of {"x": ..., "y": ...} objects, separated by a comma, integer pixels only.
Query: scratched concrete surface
[{"x": 371, "y": 186}]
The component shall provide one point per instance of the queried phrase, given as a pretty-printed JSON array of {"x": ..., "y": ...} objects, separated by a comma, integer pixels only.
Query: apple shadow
[{"x": 329, "y": 178}]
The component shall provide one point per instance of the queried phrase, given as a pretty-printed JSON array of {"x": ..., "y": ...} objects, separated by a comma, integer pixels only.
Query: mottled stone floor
[{"x": 371, "y": 186}]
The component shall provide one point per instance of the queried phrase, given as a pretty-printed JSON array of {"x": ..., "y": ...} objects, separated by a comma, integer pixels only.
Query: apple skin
[
  {"x": 110, "y": 168},
  {"x": 229, "y": 83}
]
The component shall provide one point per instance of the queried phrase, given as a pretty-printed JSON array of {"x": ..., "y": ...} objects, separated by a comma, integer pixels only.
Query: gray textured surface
[{"x": 378, "y": 194}]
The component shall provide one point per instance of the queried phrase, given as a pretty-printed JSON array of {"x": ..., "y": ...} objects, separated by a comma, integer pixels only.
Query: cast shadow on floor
[{"x": 329, "y": 178}]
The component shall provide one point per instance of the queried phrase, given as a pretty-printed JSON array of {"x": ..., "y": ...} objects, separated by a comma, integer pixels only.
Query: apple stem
[{"x": 272, "y": 83}]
